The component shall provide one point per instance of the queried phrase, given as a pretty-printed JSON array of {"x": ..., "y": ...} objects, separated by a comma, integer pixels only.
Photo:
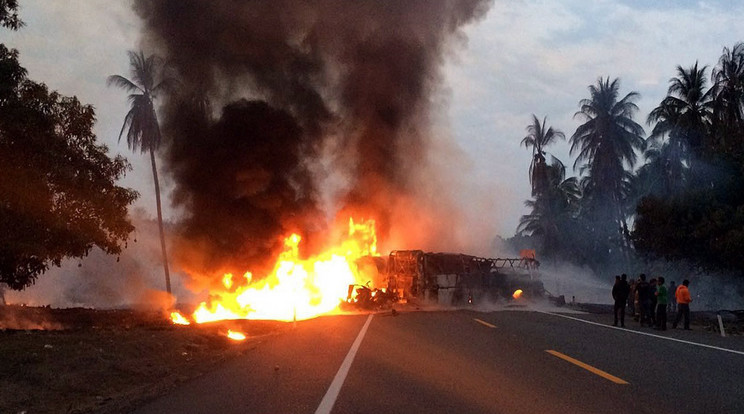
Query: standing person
[
  {"x": 672, "y": 296},
  {"x": 636, "y": 302},
  {"x": 644, "y": 301},
  {"x": 662, "y": 300},
  {"x": 652, "y": 305},
  {"x": 631, "y": 296},
  {"x": 683, "y": 304},
  {"x": 620, "y": 293}
]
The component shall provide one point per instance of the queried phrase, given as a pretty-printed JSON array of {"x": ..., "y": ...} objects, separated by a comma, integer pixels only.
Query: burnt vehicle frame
[{"x": 453, "y": 278}]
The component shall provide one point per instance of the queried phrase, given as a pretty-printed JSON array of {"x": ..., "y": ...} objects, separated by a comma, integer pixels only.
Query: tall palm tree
[
  {"x": 686, "y": 111},
  {"x": 553, "y": 210},
  {"x": 141, "y": 122},
  {"x": 728, "y": 92},
  {"x": 538, "y": 137},
  {"x": 684, "y": 119},
  {"x": 607, "y": 144}
]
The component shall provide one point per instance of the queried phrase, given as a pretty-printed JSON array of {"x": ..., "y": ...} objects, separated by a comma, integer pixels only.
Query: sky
[{"x": 525, "y": 57}]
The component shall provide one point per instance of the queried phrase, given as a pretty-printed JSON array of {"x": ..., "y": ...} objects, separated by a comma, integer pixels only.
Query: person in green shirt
[{"x": 662, "y": 300}]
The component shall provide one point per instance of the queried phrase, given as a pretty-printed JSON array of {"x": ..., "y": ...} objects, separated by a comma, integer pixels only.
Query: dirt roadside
[{"x": 106, "y": 361}]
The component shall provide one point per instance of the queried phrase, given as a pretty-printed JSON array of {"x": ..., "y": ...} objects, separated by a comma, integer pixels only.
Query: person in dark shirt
[
  {"x": 644, "y": 297},
  {"x": 620, "y": 292}
]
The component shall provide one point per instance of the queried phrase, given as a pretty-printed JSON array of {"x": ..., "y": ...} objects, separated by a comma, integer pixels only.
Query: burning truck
[
  {"x": 447, "y": 279},
  {"x": 352, "y": 275}
]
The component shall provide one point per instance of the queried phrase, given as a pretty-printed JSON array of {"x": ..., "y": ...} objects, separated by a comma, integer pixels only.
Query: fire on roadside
[
  {"x": 236, "y": 336},
  {"x": 517, "y": 294},
  {"x": 296, "y": 288},
  {"x": 179, "y": 319}
]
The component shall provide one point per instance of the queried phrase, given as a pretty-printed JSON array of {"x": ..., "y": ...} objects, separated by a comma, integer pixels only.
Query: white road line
[
  {"x": 326, "y": 405},
  {"x": 644, "y": 333}
]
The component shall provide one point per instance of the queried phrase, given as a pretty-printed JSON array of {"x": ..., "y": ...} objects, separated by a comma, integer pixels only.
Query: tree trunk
[{"x": 160, "y": 221}]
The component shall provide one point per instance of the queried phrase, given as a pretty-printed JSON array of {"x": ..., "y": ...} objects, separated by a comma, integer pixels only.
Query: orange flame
[
  {"x": 179, "y": 319},
  {"x": 296, "y": 288},
  {"x": 236, "y": 336},
  {"x": 517, "y": 294}
]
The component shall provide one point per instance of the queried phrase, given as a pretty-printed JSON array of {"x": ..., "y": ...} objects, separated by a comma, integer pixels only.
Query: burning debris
[
  {"x": 236, "y": 336},
  {"x": 297, "y": 288},
  {"x": 339, "y": 279}
]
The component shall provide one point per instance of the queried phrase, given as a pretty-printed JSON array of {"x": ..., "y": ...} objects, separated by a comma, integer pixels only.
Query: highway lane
[
  {"x": 664, "y": 375},
  {"x": 285, "y": 373},
  {"x": 467, "y": 362},
  {"x": 447, "y": 362}
]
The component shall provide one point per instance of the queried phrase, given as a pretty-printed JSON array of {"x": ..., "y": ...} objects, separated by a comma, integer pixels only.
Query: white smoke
[{"x": 132, "y": 279}]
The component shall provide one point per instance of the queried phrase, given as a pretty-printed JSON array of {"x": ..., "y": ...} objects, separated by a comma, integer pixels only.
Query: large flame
[{"x": 297, "y": 288}]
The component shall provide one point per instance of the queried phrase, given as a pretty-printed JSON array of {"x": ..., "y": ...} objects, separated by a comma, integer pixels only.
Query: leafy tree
[
  {"x": 58, "y": 192},
  {"x": 607, "y": 143},
  {"x": 538, "y": 137},
  {"x": 9, "y": 14},
  {"x": 701, "y": 223},
  {"x": 141, "y": 122},
  {"x": 703, "y": 226}
]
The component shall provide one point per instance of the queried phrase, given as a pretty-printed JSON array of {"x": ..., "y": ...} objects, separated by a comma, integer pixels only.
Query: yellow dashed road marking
[
  {"x": 587, "y": 367},
  {"x": 484, "y": 323}
]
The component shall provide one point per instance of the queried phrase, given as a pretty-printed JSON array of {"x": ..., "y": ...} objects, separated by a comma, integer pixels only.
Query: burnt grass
[{"x": 106, "y": 361}]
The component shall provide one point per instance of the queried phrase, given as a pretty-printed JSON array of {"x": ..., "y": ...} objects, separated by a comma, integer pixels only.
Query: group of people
[{"x": 649, "y": 301}]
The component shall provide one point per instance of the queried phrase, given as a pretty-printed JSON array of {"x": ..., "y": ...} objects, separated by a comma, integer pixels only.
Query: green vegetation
[
  {"x": 58, "y": 192},
  {"x": 685, "y": 202}
]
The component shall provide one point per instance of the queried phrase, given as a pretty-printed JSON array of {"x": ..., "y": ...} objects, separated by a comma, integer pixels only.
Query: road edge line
[
  {"x": 718, "y": 348},
  {"x": 329, "y": 399}
]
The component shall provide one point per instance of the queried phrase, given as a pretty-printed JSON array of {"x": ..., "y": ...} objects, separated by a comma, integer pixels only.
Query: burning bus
[{"x": 445, "y": 278}]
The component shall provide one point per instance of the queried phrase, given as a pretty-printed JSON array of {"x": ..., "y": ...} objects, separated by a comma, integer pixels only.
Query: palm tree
[
  {"x": 663, "y": 174},
  {"x": 553, "y": 210},
  {"x": 686, "y": 111},
  {"x": 538, "y": 137},
  {"x": 684, "y": 118},
  {"x": 607, "y": 144},
  {"x": 728, "y": 93},
  {"x": 141, "y": 122}
]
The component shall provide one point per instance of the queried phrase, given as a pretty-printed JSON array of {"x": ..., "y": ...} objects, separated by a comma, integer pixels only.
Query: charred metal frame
[{"x": 456, "y": 278}]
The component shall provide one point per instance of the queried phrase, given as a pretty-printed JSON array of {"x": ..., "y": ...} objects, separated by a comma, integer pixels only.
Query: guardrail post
[{"x": 720, "y": 324}]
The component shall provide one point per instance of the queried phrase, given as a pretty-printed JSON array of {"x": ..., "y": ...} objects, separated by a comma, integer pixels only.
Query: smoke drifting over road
[{"x": 292, "y": 110}]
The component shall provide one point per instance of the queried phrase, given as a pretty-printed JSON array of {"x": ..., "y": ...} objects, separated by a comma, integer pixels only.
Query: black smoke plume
[{"x": 298, "y": 81}]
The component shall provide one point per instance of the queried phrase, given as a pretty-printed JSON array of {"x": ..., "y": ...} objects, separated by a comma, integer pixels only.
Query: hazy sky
[{"x": 525, "y": 57}]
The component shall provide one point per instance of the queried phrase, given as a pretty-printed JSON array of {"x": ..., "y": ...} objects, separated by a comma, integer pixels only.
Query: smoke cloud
[
  {"x": 289, "y": 112},
  {"x": 132, "y": 279}
]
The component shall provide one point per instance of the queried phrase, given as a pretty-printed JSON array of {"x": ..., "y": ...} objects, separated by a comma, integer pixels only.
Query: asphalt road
[{"x": 470, "y": 362}]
